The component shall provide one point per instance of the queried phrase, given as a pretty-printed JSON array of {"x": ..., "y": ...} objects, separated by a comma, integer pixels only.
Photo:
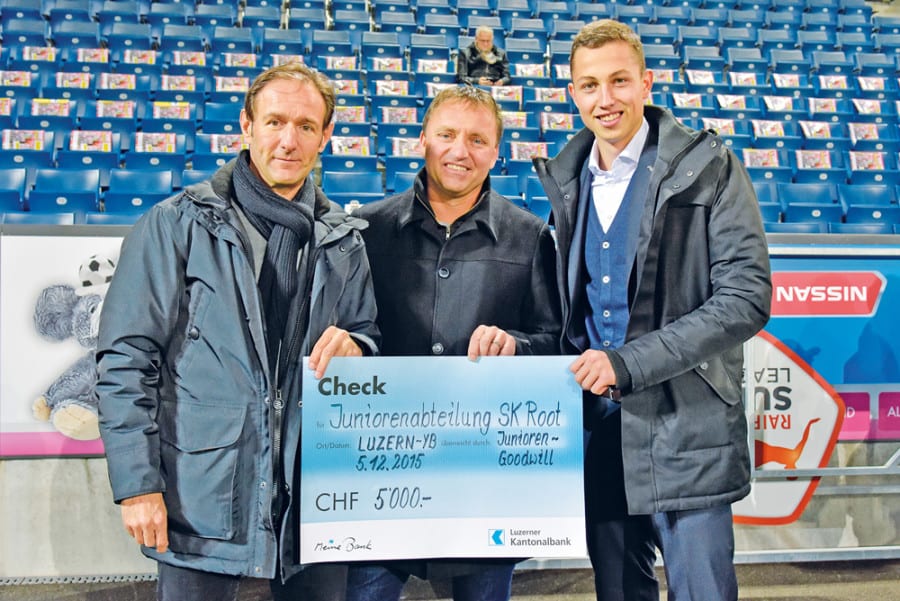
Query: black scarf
[{"x": 287, "y": 226}]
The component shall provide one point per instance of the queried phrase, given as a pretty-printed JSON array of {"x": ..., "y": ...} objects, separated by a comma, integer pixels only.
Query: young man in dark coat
[{"x": 664, "y": 273}]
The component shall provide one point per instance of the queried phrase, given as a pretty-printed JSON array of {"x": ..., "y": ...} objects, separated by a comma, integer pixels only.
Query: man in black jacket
[
  {"x": 482, "y": 63},
  {"x": 457, "y": 270}
]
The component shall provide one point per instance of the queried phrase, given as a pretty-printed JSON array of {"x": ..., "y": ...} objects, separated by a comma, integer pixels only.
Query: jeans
[
  {"x": 378, "y": 583},
  {"x": 320, "y": 582},
  {"x": 698, "y": 552}
]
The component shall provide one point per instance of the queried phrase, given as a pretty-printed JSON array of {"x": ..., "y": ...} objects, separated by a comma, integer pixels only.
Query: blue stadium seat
[
  {"x": 659, "y": 56},
  {"x": 508, "y": 10},
  {"x": 399, "y": 164},
  {"x": 816, "y": 40},
  {"x": 381, "y": 44},
  {"x": 751, "y": 18},
  {"x": 402, "y": 23},
  {"x": 133, "y": 191},
  {"x": 399, "y": 181},
  {"x": 524, "y": 51},
  {"x": 129, "y": 36},
  {"x": 856, "y": 23},
  {"x": 831, "y": 62},
  {"x": 62, "y": 190},
  {"x": 710, "y": 16},
  {"x": 886, "y": 23},
  {"x": 354, "y": 22},
  {"x": 818, "y": 21},
  {"x": 117, "y": 11},
  {"x": 331, "y": 43},
  {"x": 804, "y": 227},
  {"x": 182, "y": 38},
  {"x": 465, "y": 9},
  {"x": 164, "y": 14},
  {"x": 211, "y": 16},
  {"x": 28, "y": 217},
  {"x": 58, "y": 124},
  {"x": 119, "y": 219},
  {"x": 867, "y": 62},
  {"x": 592, "y": 12},
  {"x": 69, "y": 89},
  {"x": 815, "y": 193},
  {"x": 705, "y": 58},
  {"x": 284, "y": 41},
  {"x": 861, "y": 228},
  {"x": 805, "y": 212},
  {"x": 29, "y": 159},
  {"x": 432, "y": 7},
  {"x": 442, "y": 24},
  {"x": 314, "y": 4},
  {"x": 220, "y": 117},
  {"x": 657, "y": 33},
  {"x": 871, "y": 194},
  {"x": 808, "y": 168},
  {"x": 768, "y": 40},
  {"x": 336, "y": 162},
  {"x": 889, "y": 43},
  {"x": 348, "y": 5},
  {"x": 75, "y": 34},
  {"x": 506, "y": 185},
  {"x": 766, "y": 192},
  {"x": 673, "y": 14},
  {"x": 193, "y": 176},
  {"x": 380, "y": 7},
  {"x": 633, "y": 14},
  {"x": 12, "y": 189},
  {"x": 24, "y": 32},
  {"x": 261, "y": 17},
  {"x": 745, "y": 60},
  {"x": 428, "y": 47},
  {"x": 346, "y": 186},
  {"x": 231, "y": 39},
  {"x": 873, "y": 175},
  {"x": 525, "y": 28},
  {"x": 888, "y": 215},
  {"x": 735, "y": 37},
  {"x": 770, "y": 211},
  {"x": 20, "y": 9}
]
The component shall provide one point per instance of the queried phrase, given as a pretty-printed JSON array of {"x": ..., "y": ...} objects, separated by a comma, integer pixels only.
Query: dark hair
[{"x": 299, "y": 72}]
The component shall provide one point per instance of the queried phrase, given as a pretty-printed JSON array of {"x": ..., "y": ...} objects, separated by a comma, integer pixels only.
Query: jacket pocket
[{"x": 199, "y": 448}]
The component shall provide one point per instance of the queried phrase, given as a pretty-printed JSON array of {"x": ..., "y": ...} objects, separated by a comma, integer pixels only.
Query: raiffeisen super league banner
[{"x": 825, "y": 370}]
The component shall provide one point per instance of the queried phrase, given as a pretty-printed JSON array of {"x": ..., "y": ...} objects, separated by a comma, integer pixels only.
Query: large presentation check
[{"x": 416, "y": 457}]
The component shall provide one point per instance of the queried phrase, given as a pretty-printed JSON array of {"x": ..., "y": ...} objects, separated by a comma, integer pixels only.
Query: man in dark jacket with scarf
[
  {"x": 458, "y": 270},
  {"x": 219, "y": 293},
  {"x": 664, "y": 273}
]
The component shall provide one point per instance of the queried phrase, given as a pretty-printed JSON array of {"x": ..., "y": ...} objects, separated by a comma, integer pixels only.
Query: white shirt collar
[{"x": 624, "y": 164}]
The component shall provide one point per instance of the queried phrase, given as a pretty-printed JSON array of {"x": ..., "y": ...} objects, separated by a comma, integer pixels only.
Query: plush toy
[{"x": 62, "y": 312}]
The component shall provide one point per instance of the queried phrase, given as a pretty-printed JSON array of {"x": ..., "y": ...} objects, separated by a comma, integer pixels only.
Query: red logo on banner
[
  {"x": 832, "y": 293},
  {"x": 795, "y": 420}
]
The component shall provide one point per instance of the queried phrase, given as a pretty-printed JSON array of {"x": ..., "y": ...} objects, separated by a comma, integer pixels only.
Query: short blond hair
[
  {"x": 471, "y": 96},
  {"x": 599, "y": 33}
]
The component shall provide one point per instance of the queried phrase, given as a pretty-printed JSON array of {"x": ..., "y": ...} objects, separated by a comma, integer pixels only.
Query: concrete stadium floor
[{"x": 826, "y": 581}]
